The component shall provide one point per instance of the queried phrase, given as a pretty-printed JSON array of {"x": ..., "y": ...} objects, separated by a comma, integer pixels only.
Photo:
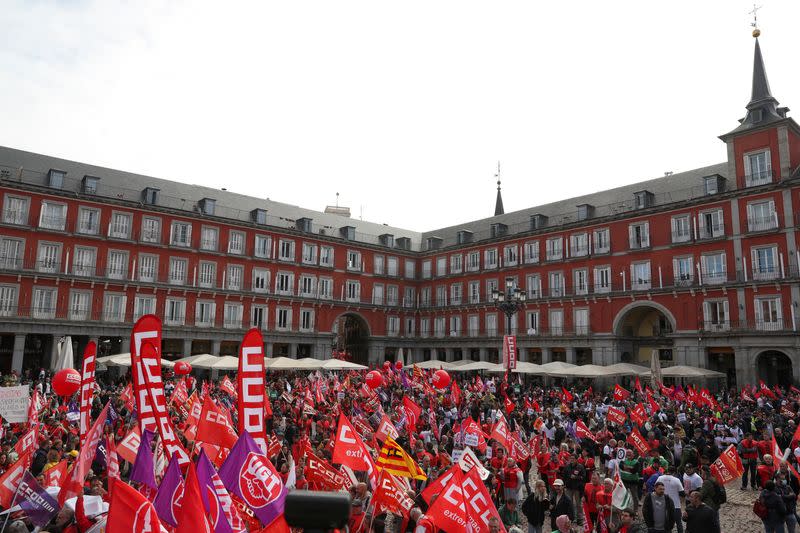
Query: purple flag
[
  {"x": 34, "y": 500},
  {"x": 142, "y": 470},
  {"x": 251, "y": 476},
  {"x": 170, "y": 492},
  {"x": 216, "y": 500}
]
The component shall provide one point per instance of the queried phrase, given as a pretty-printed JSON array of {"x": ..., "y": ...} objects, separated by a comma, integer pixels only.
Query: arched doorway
[
  {"x": 641, "y": 328},
  {"x": 351, "y": 336},
  {"x": 775, "y": 368}
]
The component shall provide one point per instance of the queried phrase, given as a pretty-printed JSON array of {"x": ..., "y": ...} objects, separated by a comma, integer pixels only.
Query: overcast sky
[{"x": 404, "y": 107}]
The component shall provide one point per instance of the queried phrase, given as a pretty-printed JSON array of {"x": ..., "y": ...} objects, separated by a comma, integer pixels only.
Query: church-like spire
[
  {"x": 761, "y": 90},
  {"x": 498, "y": 204}
]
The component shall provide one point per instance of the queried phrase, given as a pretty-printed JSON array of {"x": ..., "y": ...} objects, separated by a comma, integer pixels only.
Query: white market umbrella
[
  {"x": 523, "y": 367},
  {"x": 199, "y": 359},
  {"x": 432, "y": 364},
  {"x": 655, "y": 368},
  {"x": 478, "y": 365},
  {"x": 225, "y": 362},
  {"x": 628, "y": 369},
  {"x": 64, "y": 358},
  {"x": 682, "y": 371},
  {"x": 337, "y": 364},
  {"x": 400, "y": 356},
  {"x": 124, "y": 359},
  {"x": 558, "y": 369},
  {"x": 287, "y": 363}
]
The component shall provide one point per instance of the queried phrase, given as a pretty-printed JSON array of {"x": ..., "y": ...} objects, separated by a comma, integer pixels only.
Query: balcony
[
  {"x": 763, "y": 223},
  {"x": 765, "y": 273},
  {"x": 681, "y": 236},
  {"x": 758, "y": 178},
  {"x": 639, "y": 243},
  {"x": 717, "y": 326},
  {"x": 232, "y": 323},
  {"x": 717, "y": 277},
  {"x": 579, "y": 251},
  {"x": 209, "y": 245},
  {"x": 15, "y": 217},
  {"x": 640, "y": 284},
  {"x": 713, "y": 231},
  {"x": 53, "y": 222}
]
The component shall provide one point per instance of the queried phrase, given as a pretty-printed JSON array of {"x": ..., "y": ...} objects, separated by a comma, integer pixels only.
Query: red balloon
[
  {"x": 386, "y": 365},
  {"x": 374, "y": 379},
  {"x": 441, "y": 378},
  {"x": 66, "y": 382},
  {"x": 182, "y": 368},
  {"x": 398, "y": 365}
]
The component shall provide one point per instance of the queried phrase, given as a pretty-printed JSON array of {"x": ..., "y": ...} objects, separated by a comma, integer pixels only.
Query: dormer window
[
  {"x": 538, "y": 222},
  {"x": 55, "y": 178},
  {"x": 150, "y": 196},
  {"x": 756, "y": 115},
  {"x": 713, "y": 184},
  {"x": 585, "y": 211},
  {"x": 348, "y": 233},
  {"x": 404, "y": 243},
  {"x": 89, "y": 185},
  {"x": 498, "y": 229},
  {"x": 387, "y": 239},
  {"x": 303, "y": 224},
  {"x": 207, "y": 206},
  {"x": 464, "y": 237},
  {"x": 643, "y": 199},
  {"x": 434, "y": 243},
  {"x": 259, "y": 216}
]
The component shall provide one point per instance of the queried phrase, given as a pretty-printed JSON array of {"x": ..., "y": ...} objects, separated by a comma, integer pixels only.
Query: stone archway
[
  {"x": 775, "y": 368},
  {"x": 640, "y": 328},
  {"x": 351, "y": 335}
]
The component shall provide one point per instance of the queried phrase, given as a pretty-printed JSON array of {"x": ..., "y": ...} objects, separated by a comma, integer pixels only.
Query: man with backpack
[{"x": 711, "y": 492}]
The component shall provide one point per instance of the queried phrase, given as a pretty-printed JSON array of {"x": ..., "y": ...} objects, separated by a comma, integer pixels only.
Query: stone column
[
  {"x": 187, "y": 347},
  {"x": 19, "y": 352},
  {"x": 216, "y": 346},
  {"x": 547, "y": 355},
  {"x": 126, "y": 344},
  {"x": 293, "y": 350},
  {"x": 484, "y": 354},
  {"x": 268, "y": 350},
  {"x": 571, "y": 356}
]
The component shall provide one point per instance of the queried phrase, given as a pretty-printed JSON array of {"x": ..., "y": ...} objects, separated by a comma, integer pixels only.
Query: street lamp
[{"x": 509, "y": 302}]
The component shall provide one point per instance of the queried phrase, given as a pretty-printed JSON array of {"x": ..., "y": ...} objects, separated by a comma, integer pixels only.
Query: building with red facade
[{"x": 702, "y": 266}]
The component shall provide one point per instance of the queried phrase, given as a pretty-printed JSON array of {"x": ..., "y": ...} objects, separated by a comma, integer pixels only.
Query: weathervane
[
  {"x": 754, "y": 24},
  {"x": 497, "y": 175}
]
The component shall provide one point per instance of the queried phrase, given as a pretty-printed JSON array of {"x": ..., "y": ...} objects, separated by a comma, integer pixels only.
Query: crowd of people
[{"x": 565, "y": 477}]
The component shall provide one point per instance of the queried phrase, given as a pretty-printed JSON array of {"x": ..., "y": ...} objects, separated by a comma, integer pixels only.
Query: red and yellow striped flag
[{"x": 395, "y": 460}]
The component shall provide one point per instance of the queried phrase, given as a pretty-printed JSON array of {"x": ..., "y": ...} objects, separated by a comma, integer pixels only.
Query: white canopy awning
[
  {"x": 224, "y": 362},
  {"x": 628, "y": 369},
  {"x": 124, "y": 359},
  {"x": 683, "y": 371},
  {"x": 477, "y": 365},
  {"x": 558, "y": 369},
  {"x": 433, "y": 363},
  {"x": 287, "y": 363},
  {"x": 337, "y": 364}
]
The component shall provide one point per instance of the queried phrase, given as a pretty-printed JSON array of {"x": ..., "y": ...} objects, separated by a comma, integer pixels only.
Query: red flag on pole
[
  {"x": 620, "y": 393},
  {"x": 130, "y": 512}
]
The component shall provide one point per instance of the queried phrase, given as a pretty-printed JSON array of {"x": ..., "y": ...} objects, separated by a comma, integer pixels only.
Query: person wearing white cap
[{"x": 560, "y": 504}]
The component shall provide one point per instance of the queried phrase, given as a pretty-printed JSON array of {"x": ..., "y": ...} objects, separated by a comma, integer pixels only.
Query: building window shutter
[
  {"x": 754, "y": 261},
  {"x": 631, "y": 235},
  {"x": 646, "y": 236}
]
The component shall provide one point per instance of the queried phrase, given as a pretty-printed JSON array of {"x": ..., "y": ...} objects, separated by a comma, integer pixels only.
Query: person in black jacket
[
  {"x": 658, "y": 510},
  {"x": 789, "y": 497},
  {"x": 699, "y": 517},
  {"x": 560, "y": 504},
  {"x": 535, "y": 506}
]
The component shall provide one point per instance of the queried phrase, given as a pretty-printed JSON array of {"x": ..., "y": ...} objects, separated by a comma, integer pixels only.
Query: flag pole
[{"x": 13, "y": 501}]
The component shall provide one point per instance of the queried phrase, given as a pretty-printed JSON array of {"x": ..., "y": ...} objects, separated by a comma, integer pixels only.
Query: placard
[
  {"x": 471, "y": 439},
  {"x": 14, "y": 403}
]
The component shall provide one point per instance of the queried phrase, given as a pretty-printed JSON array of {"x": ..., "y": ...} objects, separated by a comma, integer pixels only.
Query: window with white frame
[
  {"x": 309, "y": 253},
  {"x": 392, "y": 266},
  {"x": 683, "y": 270},
  {"x": 83, "y": 261},
  {"x": 455, "y": 326},
  {"x": 177, "y": 271},
  {"x": 555, "y": 249},
  {"x": 441, "y": 266},
  {"x": 580, "y": 280},
  {"x": 410, "y": 269},
  {"x": 769, "y": 315},
  {"x": 258, "y": 316},
  {"x": 286, "y": 250},
  {"x": 352, "y": 291},
  {"x": 233, "y": 316},
  {"x": 473, "y": 325},
  {"x": 283, "y": 318},
  {"x": 474, "y": 292},
  {"x": 713, "y": 268},
  {"x": 207, "y": 274},
  {"x": 490, "y": 258},
  {"x": 556, "y": 320},
  {"x": 262, "y": 246},
  {"x": 120, "y": 225},
  {"x": 511, "y": 255},
  {"x": 151, "y": 230},
  {"x": 409, "y": 294},
  {"x": 234, "y": 277},
  {"x": 260, "y": 280},
  {"x": 456, "y": 290},
  {"x": 439, "y": 326},
  {"x": 602, "y": 241},
  {"x": 236, "y": 243},
  {"x": 180, "y": 234},
  {"x": 426, "y": 269},
  {"x": 306, "y": 319},
  {"x": 640, "y": 275},
  {"x": 392, "y": 295},
  {"x": 473, "y": 261},
  {"x": 114, "y": 307},
  {"x": 711, "y": 224},
  {"x": 44, "y": 303},
  {"x": 174, "y": 311},
  {"x": 532, "y": 322},
  {"x": 533, "y": 286},
  {"x": 491, "y": 324},
  {"x": 424, "y": 327},
  {"x": 441, "y": 295},
  {"x": 761, "y": 216},
  {"x": 602, "y": 279},
  {"x": 579, "y": 244},
  {"x": 204, "y": 313},
  {"x": 378, "y": 262},
  {"x": 353, "y": 260},
  {"x": 308, "y": 285},
  {"x": 409, "y": 328},
  {"x": 581, "y": 321},
  {"x": 15, "y": 210},
  {"x": 148, "y": 268},
  {"x": 88, "y": 221},
  {"x": 491, "y": 286},
  {"x": 325, "y": 288},
  {"x": 556, "y": 284},
  {"x": 209, "y": 238},
  {"x": 425, "y": 296},
  {"x": 456, "y": 263},
  {"x": 715, "y": 315},
  {"x": 377, "y": 294},
  {"x": 49, "y": 258},
  {"x": 284, "y": 283},
  {"x": 764, "y": 260},
  {"x": 117, "y": 265},
  {"x": 11, "y": 253},
  {"x": 531, "y": 252},
  {"x": 143, "y": 305},
  {"x": 392, "y": 326},
  {"x": 326, "y": 256},
  {"x": 8, "y": 300},
  {"x": 681, "y": 228},
  {"x": 53, "y": 216},
  {"x": 757, "y": 168},
  {"x": 639, "y": 235},
  {"x": 79, "y": 305}
]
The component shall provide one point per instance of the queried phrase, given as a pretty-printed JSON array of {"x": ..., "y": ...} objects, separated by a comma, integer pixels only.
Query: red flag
[
  {"x": 509, "y": 405},
  {"x": 146, "y": 328},
  {"x": 412, "y": 412},
  {"x": 321, "y": 472},
  {"x": 27, "y": 443},
  {"x": 113, "y": 462},
  {"x": 455, "y": 393},
  {"x": 518, "y": 451},
  {"x": 616, "y": 416},
  {"x": 638, "y": 415},
  {"x": 449, "y": 511},
  {"x": 620, "y": 393},
  {"x": 796, "y": 436},
  {"x": 391, "y": 496},
  {"x": 654, "y": 406},
  {"x": 386, "y": 428},
  {"x": 766, "y": 391},
  {"x": 437, "y": 485},
  {"x": 130, "y": 512},
  {"x": 638, "y": 385},
  {"x": 582, "y": 432},
  {"x": 350, "y": 450},
  {"x": 130, "y": 445},
  {"x": 87, "y": 388},
  {"x": 566, "y": 395},
  {"x": 191, "y": 514},
  {"x": 728, "y": 466},
  {"x": 214, "y": 427},
  {"x": 227, "y": 387},
  {"x": 55, "y": 475},
  {"x": 252, "y": 388},
  {"x": 635, "y": 438},
  {"x": 74, "y": 484},
  {"x": 588, "y": 527},
  {"x": 10, "y": 479},
  {"x": 500, "y": 432}
]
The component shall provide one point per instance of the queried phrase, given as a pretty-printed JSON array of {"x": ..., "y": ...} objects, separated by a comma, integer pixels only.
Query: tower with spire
[
  {"x": 765, "y": 147},
  {"x": 498, "y": 204}
]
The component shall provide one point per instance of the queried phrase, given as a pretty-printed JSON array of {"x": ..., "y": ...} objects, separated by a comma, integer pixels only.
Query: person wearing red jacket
[
  {"x": 766, "y": 470},
  {"x": 590, "y": 493},
  {"x": 748, "y": 451}
]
